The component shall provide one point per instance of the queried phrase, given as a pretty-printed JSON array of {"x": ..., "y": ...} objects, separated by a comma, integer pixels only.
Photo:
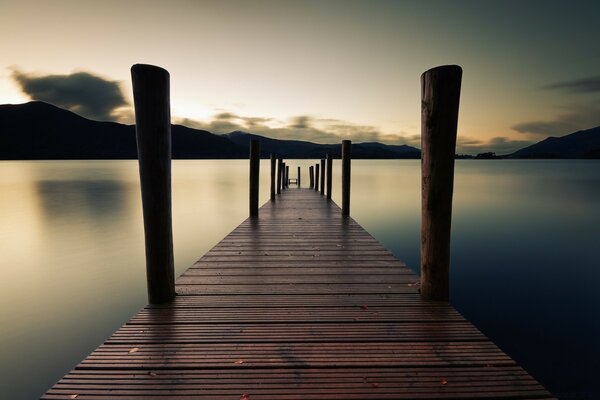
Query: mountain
[
  {"x": 581, "y": 144},
  {"x": 37, "y": 130},
  {"x": 302, "y": 149}
]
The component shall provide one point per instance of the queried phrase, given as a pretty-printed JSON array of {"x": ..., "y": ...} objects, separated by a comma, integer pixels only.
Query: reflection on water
[{"x": 524, "y": 253}]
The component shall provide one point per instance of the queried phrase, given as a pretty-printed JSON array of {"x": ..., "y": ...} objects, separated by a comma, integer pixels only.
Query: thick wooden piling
[
  {"x": 346, "y": 157},
  {"x": 279, "y": 174},
  {"x": 254, "y": 174},
  {"x": 311, "y": 175},
  {"x": 153, "y": 133},
  {"x": 329, "y": 175},
  {"x": 298, "y": 181},
  {"x": 273, "y": 160},
  {"x": 440, "y": 96},
  {"x": 287, "y": 176},
  {"x": 322, "y": 176},
  {"x": 317, "y": 177},
  {"x": 283, "y": 177}
]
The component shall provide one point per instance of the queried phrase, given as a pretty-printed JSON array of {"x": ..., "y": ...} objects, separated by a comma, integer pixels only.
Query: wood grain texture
[
  {"x": 151, "y": 95},
  {"x": 440, "y": 94},
  {"x": 299, "y": 303}
]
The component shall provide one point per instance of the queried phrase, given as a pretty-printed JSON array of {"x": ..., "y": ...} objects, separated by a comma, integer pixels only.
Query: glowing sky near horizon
[{"x": 319, "y": 70}]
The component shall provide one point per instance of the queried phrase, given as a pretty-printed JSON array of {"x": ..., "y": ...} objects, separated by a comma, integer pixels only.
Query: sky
[{"x": 322, "y": 70}]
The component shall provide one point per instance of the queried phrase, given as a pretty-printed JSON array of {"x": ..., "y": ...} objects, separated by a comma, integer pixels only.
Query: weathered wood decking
[{"x": 298, "y": 304}]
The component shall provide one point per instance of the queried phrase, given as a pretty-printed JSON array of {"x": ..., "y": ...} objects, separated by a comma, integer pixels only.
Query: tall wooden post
[
  {"x": 346, "y": 156},
  {"x": 287, "y": 176},
  {"x": 311, "y": 175},
  {"x": 283, "y": 175},
  {"x": 329, "y": 174},
  {"x": 440, "y": 96},
  {"x": 151, "y": 100},
  {"x": 317, "y": 177},
  {"x": 322, "y": 176},
  {"x": 254, "y": 174},
  {"x": 298, "y": 181},
  {"x": 273, "y": 160},
  {"x": 279, "y": 175}
]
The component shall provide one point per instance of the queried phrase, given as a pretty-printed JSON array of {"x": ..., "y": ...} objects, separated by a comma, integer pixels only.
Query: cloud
[
  {"x": 586, "y": 85},
  {"x": 81, "y": 92},
  {"x": 498, "y": 145},
  {"x": 321, "y": 130},
  {"x": 577, "y": 118}
]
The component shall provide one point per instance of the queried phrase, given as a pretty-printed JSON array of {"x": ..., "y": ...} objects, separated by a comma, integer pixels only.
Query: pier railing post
[
  {"x": 440, "y": 95},
  {"x": 151, "y": 100},
  {"x": 317, "y": 176},
  {"x": 322, "y": 176},
  {"x": 298, "y": 181},
  {"x": 346, "y": 157},
  {"x": 329, "y": 175},
  {"x": 283, "y": 176},
  {"x": 311, "y": 176},
  {"x": 254, "y": 173},
  {"x": 273, "y": 160},
  {"x": 279, "y": 175}
]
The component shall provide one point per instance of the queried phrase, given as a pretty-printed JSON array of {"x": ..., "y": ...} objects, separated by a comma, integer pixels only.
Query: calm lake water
[{"x": 525, "y": 254}]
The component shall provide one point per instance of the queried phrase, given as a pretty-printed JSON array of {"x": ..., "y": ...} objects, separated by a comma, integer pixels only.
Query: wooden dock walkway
[{"x": 299, "y": 303}]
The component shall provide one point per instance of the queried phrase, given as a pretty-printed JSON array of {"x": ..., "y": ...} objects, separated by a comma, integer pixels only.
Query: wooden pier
[{"x": 298, "y": 303}]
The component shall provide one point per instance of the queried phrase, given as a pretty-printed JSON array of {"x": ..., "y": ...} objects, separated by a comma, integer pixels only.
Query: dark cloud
[
  {"x": 316, "y": 130},
  {"x": 301, "y": 122},
  {"x": 81, "y": 92},
  {"x": 586, "y": 85},
  {"x": 498, "y": 145},
  {"x": 577, "y": 118}
]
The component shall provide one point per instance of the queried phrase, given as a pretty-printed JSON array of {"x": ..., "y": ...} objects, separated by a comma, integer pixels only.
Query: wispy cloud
[
  {"x": 576, "y": 118},
  {"x": 585, "y": 85},
  {"x": 82, "y": 92}
]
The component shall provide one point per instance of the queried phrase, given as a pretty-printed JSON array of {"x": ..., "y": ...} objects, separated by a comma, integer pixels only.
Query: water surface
[{"x": 525, "y": 259}]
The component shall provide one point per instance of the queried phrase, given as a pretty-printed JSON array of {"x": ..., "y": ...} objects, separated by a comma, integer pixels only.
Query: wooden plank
[{"x": 298, "y": 303}]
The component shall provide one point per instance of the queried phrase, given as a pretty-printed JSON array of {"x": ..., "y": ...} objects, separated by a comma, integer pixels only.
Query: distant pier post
[
  {"x": 329, "y": 175},
  {"x": 298, "y": 181},
  {"x": 151, "y": 100},
  {"x": 254, "y": 174},
  {"x": 279, "y": 176},
  {"x": 323, "y": 176},
  {"x": 311, "y": 176},
  {"x": 287, "y": 176},
  {"x": 273, "y": 160},
  {"x": 283, "y": 175},
  {"x": 346, "y": 157},
  {"x": 317, "y": 177},
  {"x": 440, "y": 95}
]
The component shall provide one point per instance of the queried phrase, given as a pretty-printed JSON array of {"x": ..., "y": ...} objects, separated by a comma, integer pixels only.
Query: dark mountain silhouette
[
  {"x": 302, "y": 149},
  {"x": 581, "y": 144},
  {"x": 37, "y": 130}
]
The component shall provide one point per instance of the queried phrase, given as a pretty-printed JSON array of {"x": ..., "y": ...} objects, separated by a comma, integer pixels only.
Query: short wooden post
[
  {"x": 329, "y": 174},
  {"x": 317, "y": 177},
  {"x": 346, "y": 157},
  {"x": 298, "y": 181},
  {"x": 151, "y": 100},
  {"x": 273, "y": 160},
  {"x": 279, "y": 175},
  {"x": 322, "y": 176},
  {"x": 311, "y": 175},
  {"x": 440, "y": 96},
  {"x": 254, "y": 174}
]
